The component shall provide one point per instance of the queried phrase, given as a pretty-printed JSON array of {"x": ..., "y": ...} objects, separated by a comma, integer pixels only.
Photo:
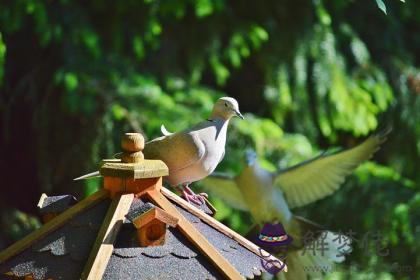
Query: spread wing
[
  {"x": 177, "y": 151},
  {"x": 321, "y": 176},
  {"x": 225, "y": 188}
]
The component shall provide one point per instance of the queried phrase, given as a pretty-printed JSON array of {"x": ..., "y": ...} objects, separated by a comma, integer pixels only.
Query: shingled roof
[
  {"x": 61, "y": 254},
  {"x": 178, "y": 258},
  {"x": 55, "y": 204},
  {"x": 93, "y": 239}
]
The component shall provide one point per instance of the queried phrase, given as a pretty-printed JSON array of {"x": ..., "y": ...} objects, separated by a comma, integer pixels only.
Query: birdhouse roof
[
  {"x": 55, "y": 204},
  {"x": 61, "y": 248},
  {"x": 178, "y": 257},
  {"x": 62, "y": 253}
]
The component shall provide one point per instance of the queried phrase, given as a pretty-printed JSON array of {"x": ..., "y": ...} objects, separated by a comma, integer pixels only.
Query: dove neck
[
  {"x": 217, "y": 114},
  {"x": 220, "y": 124},
  {"x": 219, "y": 121}
]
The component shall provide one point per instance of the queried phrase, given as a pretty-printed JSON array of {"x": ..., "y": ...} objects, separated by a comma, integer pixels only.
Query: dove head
[{"x": 226, "y": 108}]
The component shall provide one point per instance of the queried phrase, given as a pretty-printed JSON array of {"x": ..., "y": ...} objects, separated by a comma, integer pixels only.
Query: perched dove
[
  {"x": 269, "y": 197},
  {"x": 194, "y": 153}
]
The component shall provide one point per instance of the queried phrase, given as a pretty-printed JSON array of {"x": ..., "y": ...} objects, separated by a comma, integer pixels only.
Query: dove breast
[
  {"x": 266, "y": 203},
  {"x": 190, "y": 155}
]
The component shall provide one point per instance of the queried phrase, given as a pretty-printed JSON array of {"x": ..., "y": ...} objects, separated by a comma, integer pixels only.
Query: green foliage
[
  {"x": 19, "y": 223},
  {"x": 382, "y": 6},
  {"x": 2, "y": 55}
]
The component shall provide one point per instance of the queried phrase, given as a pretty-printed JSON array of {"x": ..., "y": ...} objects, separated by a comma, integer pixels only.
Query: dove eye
[{"x": 226, "y": 105}]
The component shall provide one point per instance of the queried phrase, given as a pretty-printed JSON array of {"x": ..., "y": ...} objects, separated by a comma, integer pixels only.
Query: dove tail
[
  {"x": 88, "y": 176},
  {"x": 164, "y": 131},
  {"x": 314, "y": 262},
  {"x": 319, "y": 250}
]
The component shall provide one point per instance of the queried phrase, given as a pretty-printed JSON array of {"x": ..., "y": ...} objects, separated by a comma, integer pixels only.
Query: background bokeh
[{"x": 309, "y": 75}]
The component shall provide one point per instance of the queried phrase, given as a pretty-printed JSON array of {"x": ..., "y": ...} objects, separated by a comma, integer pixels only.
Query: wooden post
[
  {"x": 196, "y": 238},
  {"x": 104, "y": 244},
  {"x": 224, "y": 229},
  {"x": 133, "y": 175}
]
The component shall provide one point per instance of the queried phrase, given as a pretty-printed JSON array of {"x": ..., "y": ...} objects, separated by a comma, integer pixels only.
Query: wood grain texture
[
  {"x": 155, "y": 214},
  {"x": 126, "y": 185},
  {"x": 55, "y": 223},
  {"x": 152, "y": 234},
  {"x": 165, "y": 217},
  {"x": 144, "y": 169},
  {"x": 132, "y": 157},
  {"x": 210, "y": 206},
  {"x": 196, "y": 238},
  {"x": 104, "y": 245},
  {"x": 132, "y": 142},
  {"x": 224, "y": 229}
]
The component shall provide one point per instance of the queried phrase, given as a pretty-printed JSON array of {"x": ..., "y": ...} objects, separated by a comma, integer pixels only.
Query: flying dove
[
  {"x": 270, "y": 196},
  {"x": 194, "y": 153}
]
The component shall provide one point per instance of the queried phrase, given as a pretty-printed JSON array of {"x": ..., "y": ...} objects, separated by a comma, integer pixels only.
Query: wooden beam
[
  {"x": 104, "y": 245},
  {"x": 198, "y": 240},
  {"x": 53, "y": 224},
  {"x": 224, "y": 229}
]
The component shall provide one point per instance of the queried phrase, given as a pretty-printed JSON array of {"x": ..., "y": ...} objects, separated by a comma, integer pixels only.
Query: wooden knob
[
  {"x": 132, "y": 157},
  {"x": 132, "y": 142}
]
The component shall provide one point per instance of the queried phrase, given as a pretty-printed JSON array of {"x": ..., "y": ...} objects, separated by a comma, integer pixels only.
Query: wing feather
[
  {"x": 225, "y": 188},
  {"x": 178, "y": 151},
  {"x": 321, "y": 176}
]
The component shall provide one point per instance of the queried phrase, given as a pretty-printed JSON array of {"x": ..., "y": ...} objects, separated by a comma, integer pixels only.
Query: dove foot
[{"x": 190, "y": 196}]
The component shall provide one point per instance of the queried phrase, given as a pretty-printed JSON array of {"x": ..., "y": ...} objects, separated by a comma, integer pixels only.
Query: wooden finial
[{"x": 132, "y": 145}]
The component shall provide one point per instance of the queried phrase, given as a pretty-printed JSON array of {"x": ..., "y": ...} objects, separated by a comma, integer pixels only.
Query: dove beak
[{"x": 239, "y": 114}]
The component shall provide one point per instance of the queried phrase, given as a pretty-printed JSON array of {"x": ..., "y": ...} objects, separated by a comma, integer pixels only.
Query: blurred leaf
[
  {"x": 138, "y": 47},
  {"x": 70, "y": 81},
  {"x": 381, "y": 5},
  {"x": 2, "y": 56},
  {"x": 203, "y": 8},
  {"x": 91, "y": 186}
]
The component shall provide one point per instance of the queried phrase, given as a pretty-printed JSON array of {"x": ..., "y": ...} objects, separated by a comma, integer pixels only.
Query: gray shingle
[
  {"x": 246, "y": 262},
  {"x": 57, "y": 204},
  {"x": 177, "y": 259},
  {"x": 61, "y": 254},
  {"x": 139, "y": 209}
]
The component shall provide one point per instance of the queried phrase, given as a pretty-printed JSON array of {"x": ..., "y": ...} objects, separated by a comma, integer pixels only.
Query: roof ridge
[{"x": 224, "y": 229}]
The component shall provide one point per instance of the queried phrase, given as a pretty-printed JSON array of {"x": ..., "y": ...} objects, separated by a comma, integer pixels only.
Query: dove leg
[
  {"x": 190, "y": 196},
  {"x": 201, "y": 195}
]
